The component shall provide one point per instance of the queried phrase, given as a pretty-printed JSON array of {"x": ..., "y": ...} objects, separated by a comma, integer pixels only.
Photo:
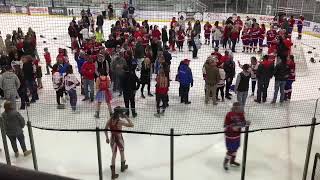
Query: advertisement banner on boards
[
  {"x": 38, "y": 10},
  {"x": 19, "y": 9},
  {"x": 57, "y": 11},
  {"x": 4, "y": 9},
  {"x": 74, "y": 11},
  {"x": 191, "y": 16}
]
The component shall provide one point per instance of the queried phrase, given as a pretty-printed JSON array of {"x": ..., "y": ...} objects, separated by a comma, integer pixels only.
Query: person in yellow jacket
[{"x": 99, "y": 36}]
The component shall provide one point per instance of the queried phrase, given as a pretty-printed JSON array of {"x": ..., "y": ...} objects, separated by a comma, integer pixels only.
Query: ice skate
[
  {"x": 124, "y": 166},
  {"x": 27, "y": 153},
  {"x": 142, "y": 96},
  {"x": 157, "y": 115},
  {"x": 234, "y": 164},
  {"x": 150, "y": 95},
  {"x": 225, "y": 164}
]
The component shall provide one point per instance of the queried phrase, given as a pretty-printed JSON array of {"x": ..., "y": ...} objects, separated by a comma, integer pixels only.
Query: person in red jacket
[
  {"x": 207, "y": 32},
  {"x": 156, "y": 33},
  {"x": 233, "y": 123},
  {"x": 180, "y": 38},
  {"x": 217, "y": 53},
  {"x": 88, "y": 72},
  {"x": 225, "y": 58},
  {"x": 291, "y": 78},
  {"x": 47, "y": 57}
]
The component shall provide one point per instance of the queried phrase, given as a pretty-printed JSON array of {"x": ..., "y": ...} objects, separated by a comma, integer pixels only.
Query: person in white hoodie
[
  {"x": 216, "y": 35},
  {"x": 71, "y": 82}
]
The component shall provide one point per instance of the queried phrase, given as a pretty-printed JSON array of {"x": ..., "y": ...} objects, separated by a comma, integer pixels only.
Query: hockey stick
[{"x": 309, "y": 45}]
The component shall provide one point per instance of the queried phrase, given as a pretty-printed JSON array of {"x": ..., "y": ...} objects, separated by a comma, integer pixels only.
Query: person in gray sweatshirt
[
  {"x": 242, "y": 85},
  {"x": 13, "y": 125},
  {"x": 10, "y": 83}
]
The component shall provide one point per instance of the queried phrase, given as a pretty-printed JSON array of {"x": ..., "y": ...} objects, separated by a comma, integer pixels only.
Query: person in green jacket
[{"x": 99, "y": 35}]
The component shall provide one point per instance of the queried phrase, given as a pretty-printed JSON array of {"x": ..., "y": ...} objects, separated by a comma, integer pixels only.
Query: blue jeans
[
  {"x": 279, "y": 85},
  {"x": 88, "y": 84},
  {"x": 73, "y": 98},
  {"x": 242, "y": 98}
]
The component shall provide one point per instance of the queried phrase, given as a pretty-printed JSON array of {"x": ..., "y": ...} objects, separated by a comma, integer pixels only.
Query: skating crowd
[{"x": 111, "y": 65}]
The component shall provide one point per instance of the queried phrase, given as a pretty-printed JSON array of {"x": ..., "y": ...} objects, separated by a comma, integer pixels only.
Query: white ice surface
[{"x": 277, "y": 154}]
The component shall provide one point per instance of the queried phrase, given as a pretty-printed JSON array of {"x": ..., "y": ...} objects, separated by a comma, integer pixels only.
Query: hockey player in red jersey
[
  {"x": 262, "y": 34},
  {"x": 300, "y": 26},
  {"x": 291, "y": 22},
  {"x": 291, "y": 78},
  {"x": 233, "y": 123},
  {"x": 245, "y": 39},
  {"x": 271, "y": 35},
  {"x": 254, "y": 34},
  {"x": 207, "y": 32},
  {"x": 180, "y": 38},
  {"x": 238, "y": 24}
]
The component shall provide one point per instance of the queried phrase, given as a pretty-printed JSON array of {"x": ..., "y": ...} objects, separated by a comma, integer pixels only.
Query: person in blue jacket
[{"x": 186, "y": 80}]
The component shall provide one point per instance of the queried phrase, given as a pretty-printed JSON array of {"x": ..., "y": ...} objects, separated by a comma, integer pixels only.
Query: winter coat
[
  {"x": 164, "y": 35},
  {"x": 145, "y": 74},
  {"x": 72, "y": 31},
  {"x": 2, "y": 46},
  {"x": 167, "y": 57},
  {"x": 100, "y": 20},
  {"x": 212, "y": 75},
  {"x": 28, "y": 47},
  {"x": 217, "y": 33},
  {"x": 139, "y": 51},
  {"x": 80, "y": 61},
  {"x": 117, "y": 65},
  {"x": 88, "y": 70},
  {"x": 185, "y": 75},
  {"x": 28, "y": 71},
  {"x": 13, "y": 123},
  {"x": 9, "y": 45},
  {"x": 9, "y": 83},
  {"x": 129, "y": 82},
  {"x": 229, "y": 68},
  {"x": 197, "y": 28},
  {"x": 281, "y": 72},
  {"x": 265, "y": 70}
]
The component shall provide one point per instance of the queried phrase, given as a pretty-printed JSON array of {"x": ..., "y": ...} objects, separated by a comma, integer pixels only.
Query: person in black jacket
[
  {"x": 29, "y": 75},
  {"x": 145, "y": 76},
  {"x": 264, "y": 74},
  {"x": 130, "y": 83},
  {"x": 229, "y": 68},
  {"x": 100, "y": 22},
  {"x": 281, "y": 74},
  {"x": 164, "y": 36}
]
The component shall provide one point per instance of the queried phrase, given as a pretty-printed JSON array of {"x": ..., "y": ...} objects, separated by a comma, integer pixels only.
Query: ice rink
[{"x": 276, "y": 154}]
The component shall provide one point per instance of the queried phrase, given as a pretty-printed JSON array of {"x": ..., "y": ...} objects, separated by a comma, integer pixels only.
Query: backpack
[{"x": 104, "y": 84}]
